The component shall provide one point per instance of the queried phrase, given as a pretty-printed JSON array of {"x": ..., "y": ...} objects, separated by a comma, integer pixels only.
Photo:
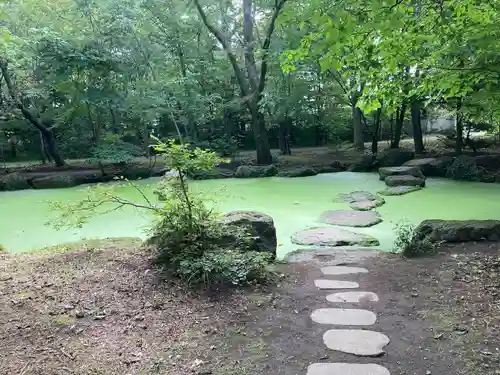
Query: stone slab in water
[
  {"x": 366, "y": 205},
  {"x": 327, "y": 284},
  {"x": 331, "y": 256},
  {"x": 344, "y": 317},
  {"x": 356, "y": 196},
  {"x": 332, "y": 237},
  {"x": 342, "y": 270},
  {"x": 384, "y": 172},
  {"x": 357, "y": 342},
  {"x": 352, "y": 297},
  {"x": 404, "y": 180},
  {"x": 346, "y": 369},
  {"x": 350, "y": 218},
  {"x": 399, "y": 190}
]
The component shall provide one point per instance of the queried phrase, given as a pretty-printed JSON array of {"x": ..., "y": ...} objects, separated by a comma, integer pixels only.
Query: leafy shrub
[
  {"x": 407, "y": 244},
  {"x": 223, "y": 145},
  {"x": 464, "y": 168},
  {"x": 3, "y": 249},
  {"x": 187, "y": 235}
]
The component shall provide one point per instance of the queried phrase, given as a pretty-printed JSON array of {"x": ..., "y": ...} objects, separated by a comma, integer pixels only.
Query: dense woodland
[{"x": 96, "y": 78}]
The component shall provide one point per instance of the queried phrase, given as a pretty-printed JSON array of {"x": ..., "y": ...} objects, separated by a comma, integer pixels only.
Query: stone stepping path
[
  {"x": 352, "y": 297},
  {"x": 346, "y": 369},
  {"x": 350, "y": 218},
  {"x": 327, "y": 284},
  {"x": 362, "y": 200},
  {"x": 399, "y": 190},
  {"x": 344, "y": 317},
  {"x": 357, "y": 342},
  {"x": 342, "y": 270},
  {"x": 331, "y": 236},
  {"x": 330, "y": 255}
]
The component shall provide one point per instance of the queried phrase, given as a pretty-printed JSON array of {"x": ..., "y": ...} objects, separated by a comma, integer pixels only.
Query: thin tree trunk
[
  {"x": 376, "y": 131},
  {"x": 459, "y": 145},
  {"x": 398, "y": 128},
  {"x": 357, "y": 126},
  {"x": 417, "y": 127}
]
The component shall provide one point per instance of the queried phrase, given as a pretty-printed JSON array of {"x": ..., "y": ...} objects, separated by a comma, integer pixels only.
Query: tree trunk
[
  {"x": 398, "y": 129},
  {"x": 417, "y": 127},
  {"x": 284, "y": 136},
  {"x": 376, "y": 131},
  {"x": 264, "y": 156},
  {"x": 358, "y": 141},
  {"x": 459, "y": 145},
  {"x": 51, "y": 147}
]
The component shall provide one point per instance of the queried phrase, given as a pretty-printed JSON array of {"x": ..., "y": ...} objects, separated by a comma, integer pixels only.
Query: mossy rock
[
  {"x": 394, "y": 157},
  {"x": 14, "y": 181},
  {"x": 216, "y": 173},
  {"x": 54, "y": 182},
  {"x": 255, "y": 171},
  {"x": 399, "y": 190},
  {"x": 298, "y": 172}
]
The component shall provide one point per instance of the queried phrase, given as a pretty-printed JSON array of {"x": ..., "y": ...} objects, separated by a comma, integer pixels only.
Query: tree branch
[
  {"x": 267, "y": 42},
  {"x": 240, "y": 77}
]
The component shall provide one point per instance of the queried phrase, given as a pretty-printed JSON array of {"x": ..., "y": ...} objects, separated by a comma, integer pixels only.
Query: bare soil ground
[{"x": 103, "y": 309}]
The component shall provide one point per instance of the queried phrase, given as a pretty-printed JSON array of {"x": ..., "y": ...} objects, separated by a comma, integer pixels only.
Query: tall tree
[{"x": 252, "y": 83}]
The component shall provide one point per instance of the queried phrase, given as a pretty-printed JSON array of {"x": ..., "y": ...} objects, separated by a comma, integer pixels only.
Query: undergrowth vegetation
[
  {"x": 408, "y": 245},
  {"x": 188, "y": 235}
]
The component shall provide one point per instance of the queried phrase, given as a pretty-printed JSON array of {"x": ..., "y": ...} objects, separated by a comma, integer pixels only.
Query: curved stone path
[{"x": 354, "y": 341}]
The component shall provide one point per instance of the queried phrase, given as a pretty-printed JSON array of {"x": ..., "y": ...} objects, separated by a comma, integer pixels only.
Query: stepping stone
[
  {"x": 366, "y": 205},
  {"x": 350, "y": 218},
  {"x": 404, "y": 180},
  {"x": 346, "y": 369},
  {"x": 326, "y": 255},
  {"x": 352, "y": 297},
  {"x": 332, "y": 237},
  {"x": 342, "y": 270},
  {"x": 344, "y": 317},
  {"x": 399, "y": 190},
  {"x": 357, "y": 342},
  {"x": 356, "y": 196},
  {"x": 398, "y": 171},
  {"x": 362, "y": 200},
  {"x": 327, "y": 284}
]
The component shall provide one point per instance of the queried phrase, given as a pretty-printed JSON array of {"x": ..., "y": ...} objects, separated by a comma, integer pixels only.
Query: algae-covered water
[{"x": 293, "y": 203}]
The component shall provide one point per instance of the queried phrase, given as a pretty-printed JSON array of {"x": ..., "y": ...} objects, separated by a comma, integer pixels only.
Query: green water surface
[{"x": 293, "y": 203}]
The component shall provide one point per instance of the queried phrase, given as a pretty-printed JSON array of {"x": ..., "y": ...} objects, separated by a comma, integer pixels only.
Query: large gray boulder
[
  {"x": 404, "y": 180},
  {"x": 394, "y": 157},
  {"x": 254, "y": 171},
  {"x": 249, "y": 230},
  {"x": 458, "y": 230},
  {"x": 398, "y": 171},
  {"x": 14, "y": 181},
  {"x": 432, "y": 167},
  {"x": 298, "y": 172}
]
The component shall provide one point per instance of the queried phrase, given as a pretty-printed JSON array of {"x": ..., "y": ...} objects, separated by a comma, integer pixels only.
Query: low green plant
[
  {"x": 187, "y": 234},
  {"x": 408, "y": 245},
  {"x": 464, "y": 168}
]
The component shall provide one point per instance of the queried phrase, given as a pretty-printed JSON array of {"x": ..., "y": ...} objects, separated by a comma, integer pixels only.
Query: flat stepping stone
[
  {"x": 404, "y": 180},
  {"x": 357, "y": 342},
  {"x": 399, "y": 190},
  {"x": 350, "y": 218},
  {"x": 352, "y": 297},
  {"x": 332, "y": 237},
  {"x": 331, "y": 256},
  {"x": 327, "y": 284},
  {"x": 346, "y": 369},
  {"x": 398, "y": 171},
  {"x": 344, "y": 317},
  {"x": 342, "y": 270},
  {"x": 366, "y": 205},
  {"x": 356, "y": 196}
]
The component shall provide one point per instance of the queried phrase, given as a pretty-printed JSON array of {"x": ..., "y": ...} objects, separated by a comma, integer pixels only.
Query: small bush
[
  {"x": 3, "y": 249},
  {"x": 407, "y": 244}
]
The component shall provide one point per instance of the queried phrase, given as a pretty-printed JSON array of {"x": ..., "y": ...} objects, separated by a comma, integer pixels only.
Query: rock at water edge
[
  {"x": 332, "y": 237},
  {"x": 404, "y": 180},
  {"x": 350, "y": 218},
  {"x": 385, "y": 172}
]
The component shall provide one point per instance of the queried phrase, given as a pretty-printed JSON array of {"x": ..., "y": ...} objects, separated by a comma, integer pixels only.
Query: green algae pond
[{"x": 294, "y": 203}]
